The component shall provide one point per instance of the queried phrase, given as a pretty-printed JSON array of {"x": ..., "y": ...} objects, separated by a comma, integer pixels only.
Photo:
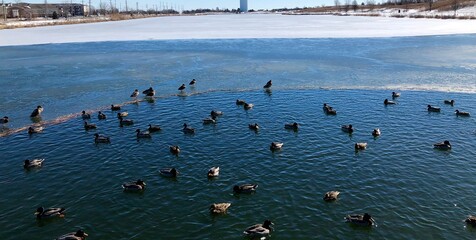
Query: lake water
[{"x": 412, "y": 190}]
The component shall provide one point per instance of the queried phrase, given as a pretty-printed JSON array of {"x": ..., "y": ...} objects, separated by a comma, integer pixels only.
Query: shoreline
[{"x": 234, "y": 26}]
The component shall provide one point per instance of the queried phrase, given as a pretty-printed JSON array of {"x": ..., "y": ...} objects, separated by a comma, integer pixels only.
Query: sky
[{"x": 196, "y": 4}]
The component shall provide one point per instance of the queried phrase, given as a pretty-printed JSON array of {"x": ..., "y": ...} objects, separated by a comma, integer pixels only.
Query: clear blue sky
[{"x": 195, "y": 4}]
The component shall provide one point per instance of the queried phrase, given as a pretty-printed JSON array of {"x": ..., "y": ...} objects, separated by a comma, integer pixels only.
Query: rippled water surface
[{"x": 412, "y": 190}]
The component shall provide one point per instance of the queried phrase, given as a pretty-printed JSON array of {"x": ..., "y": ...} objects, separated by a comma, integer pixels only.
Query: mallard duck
[
  {"x": 219, "y": 208},
  {"x": 169, "y": 172},
  {"x": 89, "y": 126},
  {"x": 214, "y": 113},
  {"x": 347, "y": 128},
  {"x": 442, "y": 145},
  {"x": 209, "y": 120},
  {"x": 32, "y": 130},
  {"x": 182, "y": 87},
  {"x": 101, "y": 115},
  {"x": 433, "y": 109},
  {"x": 144, "y": 134},
  {"x": 471, "y": 220},
  {"x": 259, "y": 230},
  {"x": 85, "y": 115},
  {"x": 188, "y": 130},
  {"x": 174, "y": 149},
  {"x": 461, "y": 114},
  {"x": 193, "y": 82},
  {"x": 245, "y": 188},
  {"x": 122, "y": 114},
  {"x": 101, "y": 138},
  {"x": 125, "y": 122},
  {"x": 33, "y": 163},
  {"x": 36, "y": 112},
  {"x": 78, "y": 235},
  {"x": 135, "y": 94},
  {"x": 276, "y": 146},
  {"x": 115, "y": 108},
  {"x": 240, "y": 102},
  {"x": 360, "y": 146},
  {"x": 147, "y": 91},
  {"x": 138, "y": 185},
  {"x": 362, "y": 220},
  {"x": 293, "y": 126},
  {"x": 154, "y": 128},
  {"x": 331, "y": 195},
  {"x": 268, "y": 84},
  {"x": 248, "y": 106},
  {"x": 450, "y": 102},
  {"x": 387, "y": 102},
  {"x": 4, "y": 120},
  {"x": 42, "y": 213},
  {"x": 213, "y": 172},
  {"x": 376, "y": 132},
  {"x": 395, "y": 94},
  {"x": 253, "y": 126}
]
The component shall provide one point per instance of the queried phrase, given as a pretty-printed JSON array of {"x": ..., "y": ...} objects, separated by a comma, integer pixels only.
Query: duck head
[
  {"x": 174, "y": 171},
  {"x": 140, "y": 182},
  {"x": 80, "y": 233},
  {"x": 39, "y": 211},
  {"x": 447, "y": 142},
  {"x": 267, "y": 224}
]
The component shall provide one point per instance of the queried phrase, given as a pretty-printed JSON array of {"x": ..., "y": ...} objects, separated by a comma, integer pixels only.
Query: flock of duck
[{"x": 255, "y": 231}]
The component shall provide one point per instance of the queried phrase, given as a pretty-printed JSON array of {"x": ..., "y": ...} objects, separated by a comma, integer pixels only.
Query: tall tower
[{"x": 243, "y": 5}]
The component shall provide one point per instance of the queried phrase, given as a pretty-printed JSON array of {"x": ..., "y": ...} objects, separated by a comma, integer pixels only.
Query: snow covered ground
[{"x": 236, "y": 26}]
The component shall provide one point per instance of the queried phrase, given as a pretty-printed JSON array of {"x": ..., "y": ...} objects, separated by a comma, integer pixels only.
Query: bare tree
[
  {"x": 337, "y": 3},
  {"x": 455, "y": 6},
  {"x": 355, "y": 5},
  {"x": 430, "y": 4},
  {"x": 347, "y": 5}
]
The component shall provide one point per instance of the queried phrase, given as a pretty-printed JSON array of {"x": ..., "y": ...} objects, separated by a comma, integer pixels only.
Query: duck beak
[
  {"x": 85, "y": 234},
  {"x": 36, "y": 213}
]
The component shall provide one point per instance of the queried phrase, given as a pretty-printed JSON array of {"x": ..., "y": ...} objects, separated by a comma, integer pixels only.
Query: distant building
[
  {"x": 243, "y": 5},
  {"x": 28, "y": 11}
]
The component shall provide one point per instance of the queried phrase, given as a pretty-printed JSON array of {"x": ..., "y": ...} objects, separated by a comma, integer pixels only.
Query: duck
[
  {"x": 214, "y": 113},
  {"x": 347, "y": 128},
  {"x": 268, "y": 84},
  {"x": 122, "y": 114},
  {"x": 138, "y": 185},
  {"x": 169, "y": 172},
  {"x": 433, "y": 109},
  {"x": 254, "y": 126},
  {"x": 4, "y": 120},
  {"x": 331, "y": 196},
  {"x": 360, "y": 146},
  {"x": 462, "y": 114},
  {"x": 276, "y": 146},
  {"x": 259, "y": 230},
  {"x": 32, "y": 130},
  {"x": 329, "y": 110},
  {"x": 174, "y": 149},
  {"x": 387, "y": 102},
  {"x": 245, "y": 188},
  {"x": 150, "y": 94},
  {"x": 193, "y": 82},
  {"x": 101, "y": 138},
  {"x": 471, "y": 220},
  {"x": 115, "y": 108},
  {"x": 78, "y": 235},
  {"x": 293, "y": 126},
  {"x": 443, "y": 145},
  {"x": 182, "y": 87},
  {"x": 395, "y": 94},
  {"x": 188, "y": 130},
  {"x": 85, "y": 115},
  {"x": 449, "y": 102},
  {"x": 125, "y": 122},
  {"x": 42, "y": 213},
  {"x": 361, "y": 220},
  {"x": 37, "y": 111},
  {"x": 154, "y": 128},
  {"x": 219, "y": 208},
  {"x": 213, "y": 172},
  {"x": 33, "y": 163},
  {"x": 209, "y": 120},
  {"x": 89, "y": 126},
  {"x": 248, "y": 106},
  {"x": 135, "y": 94},
  {"x": 144, "y": 134},
  {"x": 147, "y": 91},
  {"x": 101, "y": 115},
  {"x": 240, "y": 102},
  {"x": 376, "y": 132}
]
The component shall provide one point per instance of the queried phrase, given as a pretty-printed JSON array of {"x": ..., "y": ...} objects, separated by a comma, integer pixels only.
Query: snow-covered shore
[{"x": 236, "y": 26}]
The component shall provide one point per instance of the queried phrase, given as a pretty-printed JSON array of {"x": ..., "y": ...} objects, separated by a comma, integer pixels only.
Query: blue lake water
[{"x": 412, "y": 190}]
